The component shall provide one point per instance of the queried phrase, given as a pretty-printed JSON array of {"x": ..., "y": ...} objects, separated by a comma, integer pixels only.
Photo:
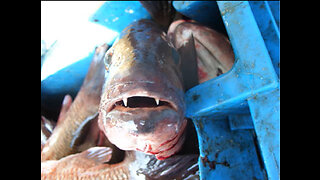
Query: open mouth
[{"x": 141, "y": 102}]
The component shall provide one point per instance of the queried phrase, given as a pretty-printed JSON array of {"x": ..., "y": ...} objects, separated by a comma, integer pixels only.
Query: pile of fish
[{"x": 127, "y": 121}]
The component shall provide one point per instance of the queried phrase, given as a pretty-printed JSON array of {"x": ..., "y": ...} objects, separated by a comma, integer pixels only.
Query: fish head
[{"x": 142, "y": 105}]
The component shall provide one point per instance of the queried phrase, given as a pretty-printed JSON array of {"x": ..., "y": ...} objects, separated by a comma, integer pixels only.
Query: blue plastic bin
[{"x": 237, "y": 115}]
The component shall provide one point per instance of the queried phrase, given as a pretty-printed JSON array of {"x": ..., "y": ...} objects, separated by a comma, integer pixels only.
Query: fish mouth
[{"x": 141, "y": 102}]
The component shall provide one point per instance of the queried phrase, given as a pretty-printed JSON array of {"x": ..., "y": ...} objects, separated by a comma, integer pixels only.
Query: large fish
[{"x": 142, "y": 105}]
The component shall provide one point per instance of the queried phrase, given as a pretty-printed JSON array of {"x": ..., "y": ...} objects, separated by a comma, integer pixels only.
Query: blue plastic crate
[{"x": 230, "y": 110}]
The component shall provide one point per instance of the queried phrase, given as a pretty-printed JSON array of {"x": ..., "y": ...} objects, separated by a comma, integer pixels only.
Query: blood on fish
[
  {"x": 202, "y": 74},
  {"x": 169, "y": 140},
  {"x": 164, "y": 157}
]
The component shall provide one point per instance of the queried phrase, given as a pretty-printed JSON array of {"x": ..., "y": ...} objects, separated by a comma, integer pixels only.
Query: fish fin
[
  {"x": 78, "y": 163},
  {"x": 175, "y": 167},
  {"x": 66, "y": 103},
  {"x": 93, "y": 82},
  {"x": 47, "y": 127},
  {"x": 98, "y": 155},
  {"x": 189, "y": 67},
  {"x": 162, "y": 12}
]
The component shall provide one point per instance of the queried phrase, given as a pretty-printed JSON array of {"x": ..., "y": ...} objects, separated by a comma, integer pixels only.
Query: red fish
[
  {"x": 214, "y": 52},
  {"x": 78, "y": 116},
  {"x": 143, "y": 96}
]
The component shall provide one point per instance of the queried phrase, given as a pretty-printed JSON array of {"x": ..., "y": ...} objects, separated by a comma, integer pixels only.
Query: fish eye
[{"x": 107, "y": 59}]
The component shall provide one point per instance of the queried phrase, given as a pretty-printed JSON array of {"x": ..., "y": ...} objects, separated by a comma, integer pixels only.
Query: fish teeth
[
  {"x": 125, "y": 102},
  {"x": 157, "y": 101}
]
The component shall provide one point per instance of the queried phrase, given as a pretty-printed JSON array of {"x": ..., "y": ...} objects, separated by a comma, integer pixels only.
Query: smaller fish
[
  {"x": 89, "y": 164},
  {"x": 78, "y": 116},
  {"x": 214, "y": 52}
]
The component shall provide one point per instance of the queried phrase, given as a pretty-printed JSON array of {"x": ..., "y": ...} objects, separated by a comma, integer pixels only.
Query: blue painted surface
[
  {"x": 116, "y": 15},
  {"x": 275, "y": 9},
  {"x": 253, "y": 83},
  {"x": 240, "y": 121},
  {"x": 267, "y": 16},
  {"x": 231, "y": 154},
  {"x": 265, "y": 111}
]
